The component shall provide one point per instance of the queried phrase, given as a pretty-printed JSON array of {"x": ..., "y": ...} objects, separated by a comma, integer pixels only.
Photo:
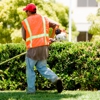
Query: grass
[{"x": 50, "y": 95}]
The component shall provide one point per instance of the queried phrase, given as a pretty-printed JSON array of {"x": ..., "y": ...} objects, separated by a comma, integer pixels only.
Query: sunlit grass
[{"x": 50, "y": 95}]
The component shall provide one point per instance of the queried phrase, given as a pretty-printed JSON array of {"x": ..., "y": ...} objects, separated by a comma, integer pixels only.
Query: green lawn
[{"x": 50, "y": 95}]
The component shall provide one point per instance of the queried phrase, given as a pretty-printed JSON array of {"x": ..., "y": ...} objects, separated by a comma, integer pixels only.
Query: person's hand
[{"x": 51, "y": 40}]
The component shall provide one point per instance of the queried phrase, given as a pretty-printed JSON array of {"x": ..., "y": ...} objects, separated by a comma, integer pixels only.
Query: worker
[{"x": 35, "y": 32}]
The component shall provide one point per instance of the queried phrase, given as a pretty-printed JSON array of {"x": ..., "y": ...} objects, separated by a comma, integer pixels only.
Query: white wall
[{"x": 80, "y": 17}]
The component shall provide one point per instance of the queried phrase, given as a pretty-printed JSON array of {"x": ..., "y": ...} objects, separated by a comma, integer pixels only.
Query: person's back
[
  {"x": 34, "y": 26},
  {"x": 35, "y": 32}
]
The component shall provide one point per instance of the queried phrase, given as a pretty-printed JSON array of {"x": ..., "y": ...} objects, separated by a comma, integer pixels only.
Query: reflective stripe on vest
[
  {"x": 44, "y": 27},
  {"x": 29, "y": 30},
  {"x": 36, "y": 36}
]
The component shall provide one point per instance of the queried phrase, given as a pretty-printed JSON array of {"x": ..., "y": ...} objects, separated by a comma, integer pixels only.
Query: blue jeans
[{"x": 43, "y": 70}]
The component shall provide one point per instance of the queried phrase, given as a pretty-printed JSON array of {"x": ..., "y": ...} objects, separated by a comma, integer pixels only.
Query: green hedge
[
  {"x": 12, "y": 73},
  {"x": 78, "y": 64}
]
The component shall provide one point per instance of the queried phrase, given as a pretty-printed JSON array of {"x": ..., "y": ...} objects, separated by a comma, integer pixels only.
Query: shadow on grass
[{"x": 39, "y": 95}]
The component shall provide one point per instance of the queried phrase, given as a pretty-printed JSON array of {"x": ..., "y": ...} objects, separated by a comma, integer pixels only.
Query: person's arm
[
  {"x": 53, "y": 32},
  {"x": 23, "y": 33},
  {"x": 54, "y": 25}
]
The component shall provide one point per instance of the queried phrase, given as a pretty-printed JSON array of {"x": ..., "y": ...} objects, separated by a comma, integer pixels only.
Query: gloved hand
[{"x": 51, "y": 40}]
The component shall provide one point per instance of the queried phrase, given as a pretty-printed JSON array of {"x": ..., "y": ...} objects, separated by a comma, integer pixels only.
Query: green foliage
[
  {"x": 98, "y": 12},
  {"x": 95, "y": 38},
  {"x": 78, "y": 65},
  {"x": 95, "y": 25},
  {"x": 10, "y": 19},
  {"x": 98, "y": 0},
  {"x": 12, "y": 14},
  {"x": 16, "y": 36},
  {"x": 12, "y": 73}
]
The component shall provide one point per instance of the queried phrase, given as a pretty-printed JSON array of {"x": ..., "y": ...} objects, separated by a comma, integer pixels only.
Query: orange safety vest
[{"x": 37, "y": 31}]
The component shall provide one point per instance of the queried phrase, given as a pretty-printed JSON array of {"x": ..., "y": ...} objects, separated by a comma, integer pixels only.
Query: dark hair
[
  {"x": 34, "y": 11},
  {"x": 57, "y": 31}
]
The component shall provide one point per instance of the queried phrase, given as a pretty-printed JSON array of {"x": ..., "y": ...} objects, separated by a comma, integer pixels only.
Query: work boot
[{"x": 59, "y": 85}]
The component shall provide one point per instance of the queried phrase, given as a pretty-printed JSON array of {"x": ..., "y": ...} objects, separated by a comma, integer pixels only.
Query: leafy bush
[
  {"x": 13, "y": 14},
  {"x": 12, "y": 73},
  {"x": 78, "y": 65}
]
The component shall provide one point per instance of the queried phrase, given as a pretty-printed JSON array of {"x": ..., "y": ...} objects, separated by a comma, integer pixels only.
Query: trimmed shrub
[
  {"x": 12, "y": 73},
  {"x": 78, "y": 65}
]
